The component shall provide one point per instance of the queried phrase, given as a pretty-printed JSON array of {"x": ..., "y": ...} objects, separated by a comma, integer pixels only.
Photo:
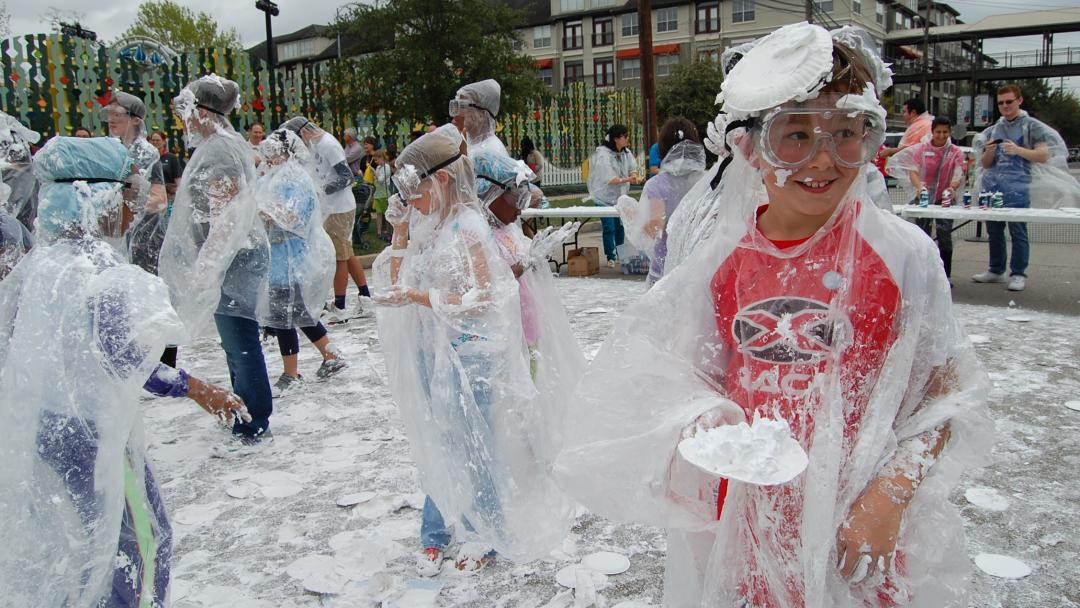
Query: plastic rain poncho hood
[
  {"x": 81, "y": 181},
  {"x": 82, "y": 332},
  {"x": 646, "y": 219},
  {"x": 215, "y": 254},
  {"x": 459, "y": 370},
  {"x": 15, "y": 140},
  {"x": 478, "y": 104},
  {"x": 499, "y": 175},
  {"x": 1047, "y": 185},
  {"x": 604, "y": 165},
  {"x": 301, "y": 253},
  {"x": 850, "y": 338}
]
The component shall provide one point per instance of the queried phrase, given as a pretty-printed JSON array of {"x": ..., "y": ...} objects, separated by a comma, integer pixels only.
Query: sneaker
[
  {"x": 988, "y": 277},
  {"x": 361, "y": 311},
  {"x": 236, "y": 444},
  {"x": 473, "y": 557},
  {"x": 429, "y": 562},
  {"x": 330, "y": 367},
  {"x": 332, "y": 315},
  {"x": 611, "y": 263},
  {"x": 285, "y": 383},
  {"x": 1017, "y": 282}
]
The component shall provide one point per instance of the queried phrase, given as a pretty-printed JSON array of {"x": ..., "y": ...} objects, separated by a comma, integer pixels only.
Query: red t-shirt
[{"x": 774, "y": 320}]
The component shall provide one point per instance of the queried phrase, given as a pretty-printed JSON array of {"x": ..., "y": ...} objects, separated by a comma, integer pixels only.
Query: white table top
[
  {"x": 1003, "y": 214},
  {"x": 571, "y": 212}
]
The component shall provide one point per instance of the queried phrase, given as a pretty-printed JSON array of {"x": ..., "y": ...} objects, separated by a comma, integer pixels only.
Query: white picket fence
[{"x": 558, "y": 176}]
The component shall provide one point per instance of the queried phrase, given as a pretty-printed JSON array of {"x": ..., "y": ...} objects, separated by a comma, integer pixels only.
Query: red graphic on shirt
[{"x": 792, "y": 327}]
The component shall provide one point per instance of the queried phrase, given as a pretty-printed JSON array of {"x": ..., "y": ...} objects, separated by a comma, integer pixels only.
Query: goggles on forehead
[
  {"x": 408, "y": 179},
  {"x": 792, "y": 135},
  {"x": 113, "y": 112},
  {"x": 457, "y": 104}
]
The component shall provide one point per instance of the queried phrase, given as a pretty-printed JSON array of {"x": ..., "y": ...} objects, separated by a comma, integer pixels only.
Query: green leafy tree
[
  {"x": 690, "y": 91},
  {"x": 180, "y": 28},
  {"x": 409, "y": 57}
]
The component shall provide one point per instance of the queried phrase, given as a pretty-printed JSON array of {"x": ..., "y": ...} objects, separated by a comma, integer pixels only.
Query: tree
[
  {"x": 1056, "y": 107},
  {"x": 690, "y": 91},
  {"x": 179, "y": 27},
  {"x": 411, "y": 56},
  {"x": 5, "y": 21}
]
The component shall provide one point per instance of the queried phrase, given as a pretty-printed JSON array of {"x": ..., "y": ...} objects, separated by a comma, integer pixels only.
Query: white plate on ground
[
  {"x": 987, "y": 498},
  {"x": 607, "y": 562},
  {"x": 1018, "y": 319},
  {"x": 1001, "y": 566},
  {"x": 1073, "y": 405},
  {"x": 350, "y": 500},
  {"x": 568, "y": 576}
]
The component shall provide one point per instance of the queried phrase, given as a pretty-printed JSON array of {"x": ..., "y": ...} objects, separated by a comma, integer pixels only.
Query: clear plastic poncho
[
  {"x": 147, "y": 231},
  {"x": 939, "y": 168},
  {"x": 215, "y": 256},
  {"x": 301, "y": 253},
  {"x": 604, "y": 165},
  {"x": 15, "y": 239},
  {"x": 459, "y": 370},
  {"x": 82, "y": 331},
  {"x": 646, "y": 219},
  {"x": 478, "y": 104},
  {"x": 849, "y": 337},
  {"x": 15, "y": 140},
  {"x": 1047, "y": 185}
]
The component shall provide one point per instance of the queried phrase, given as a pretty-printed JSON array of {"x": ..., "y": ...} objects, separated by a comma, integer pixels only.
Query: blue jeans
[
  {"x": 247, "y": 371},
  {"x": 613, "y": 235},
  {"x": 471, "y": 445},
  {"x": 1020, "y": 248}
]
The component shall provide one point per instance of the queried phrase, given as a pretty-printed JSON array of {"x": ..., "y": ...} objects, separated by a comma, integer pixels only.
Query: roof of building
[
  {"x": 350, "y": 44},
  {"x": 998, "y": 26}
]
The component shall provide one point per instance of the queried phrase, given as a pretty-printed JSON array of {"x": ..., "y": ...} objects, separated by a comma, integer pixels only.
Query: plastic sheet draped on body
[
  {"x": 147, "y": 232},
  {"x": 15, "y": 241},
  {"x": 301, "y": 253},
  {"x": 556, "y": 361},
  {"x": 1048, "y": 185},
  {"x": 846, "y": 360},
  {"x": 22, "y": 200},
  {"x": 928, "y": 161},
  {"x": 82, "y": 333},
  {"x": 460, "y": 377},
  {"x": 215, "y": 250},
  {"x": 604, "y": 165}
]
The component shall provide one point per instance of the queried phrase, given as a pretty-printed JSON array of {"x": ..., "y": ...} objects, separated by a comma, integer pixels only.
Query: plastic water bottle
[
  {"x": 967, "y": 199},
  {"x": 924, "y": 197},
  {"x": 998, "y": 200},
  {"x": 946, "y": 198},
  {"x": 984, "y": 200}
]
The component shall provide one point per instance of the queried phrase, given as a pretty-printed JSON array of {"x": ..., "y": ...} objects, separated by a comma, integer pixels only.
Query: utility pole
[
  {"x": 271, "y": 10},
  {"x": 648, "y": 74},
  {"x": 809, "y": 11},
  {"x": 926, "y": 56}
]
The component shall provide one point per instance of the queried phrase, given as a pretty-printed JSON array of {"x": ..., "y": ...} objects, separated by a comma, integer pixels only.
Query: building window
[
  {"x": 572, "y": 38},
  {"x": 603, "y": 32},
  {"x": 541, "y": 36},
  {"x": 742, "y": 11},
  {"x": 667, "y": 19},
  {"x": 824, "y": 6},
  {"x": 296, "y": 50},
  {"x": 569, "y": 6},
  {"x": 630, "y": 25},
  {"x": 631, "y": 68},
  {"x": 665, "y": 64},
  {"x": 604, "y": 72},
  {"x": 856, "y": 7},
  {"x": 517, "y": 44},
  {"x": 712, "y": 55},
  {"x": 708, "y": 18},
  {"x": 879, "y": 16},
  {"x": 573, "y": 72},
  {"x": 602, "y": 3},
  {"x": 546, "y": 76}
]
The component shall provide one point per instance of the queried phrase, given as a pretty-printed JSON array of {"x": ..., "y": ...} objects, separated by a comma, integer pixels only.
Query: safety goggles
[
  {"x": 792, "y": 136},
  {"x": 457, "y": 104},
  {"x": 113, "y": 113},
  {"x": 409, "y": 180}
]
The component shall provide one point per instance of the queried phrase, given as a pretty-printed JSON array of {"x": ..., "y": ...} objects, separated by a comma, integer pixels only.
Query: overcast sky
[{"x": 109, "y": 18}]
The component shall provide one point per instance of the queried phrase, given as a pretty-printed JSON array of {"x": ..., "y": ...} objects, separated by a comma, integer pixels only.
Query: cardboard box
[{"x": 583, "y": 262}]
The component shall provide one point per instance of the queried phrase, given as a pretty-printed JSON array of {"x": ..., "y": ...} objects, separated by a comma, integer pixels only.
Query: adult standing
[
  {"x": 145, "y": 215},
  {"x": 334, "y": 178},
  {"x": 1022, "y": 158},
  {"x": 171, "y": 165},
  {"x": 15, "y": 141},
  {"x": 474, "y": 109},
  {"x": 256, "y": 133},
  {"x": 918, "y": 121},
  {"x": 612, "y": 168},
  {"x": 215, "y": 257}
]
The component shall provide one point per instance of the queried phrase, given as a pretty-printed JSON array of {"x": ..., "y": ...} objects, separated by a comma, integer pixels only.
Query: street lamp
[{"x": 271, "y": 10}]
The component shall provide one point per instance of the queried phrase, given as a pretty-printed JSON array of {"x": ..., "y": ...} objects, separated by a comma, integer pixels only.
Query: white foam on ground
[{"x": 987, "y": 498}]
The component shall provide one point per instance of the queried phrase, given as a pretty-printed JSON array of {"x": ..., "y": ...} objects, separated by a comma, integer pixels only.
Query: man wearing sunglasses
[{"x": 1014, "y": 144}]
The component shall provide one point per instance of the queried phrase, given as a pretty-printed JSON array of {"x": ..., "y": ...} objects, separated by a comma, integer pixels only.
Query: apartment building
[{"x": 596, "y": 41}]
